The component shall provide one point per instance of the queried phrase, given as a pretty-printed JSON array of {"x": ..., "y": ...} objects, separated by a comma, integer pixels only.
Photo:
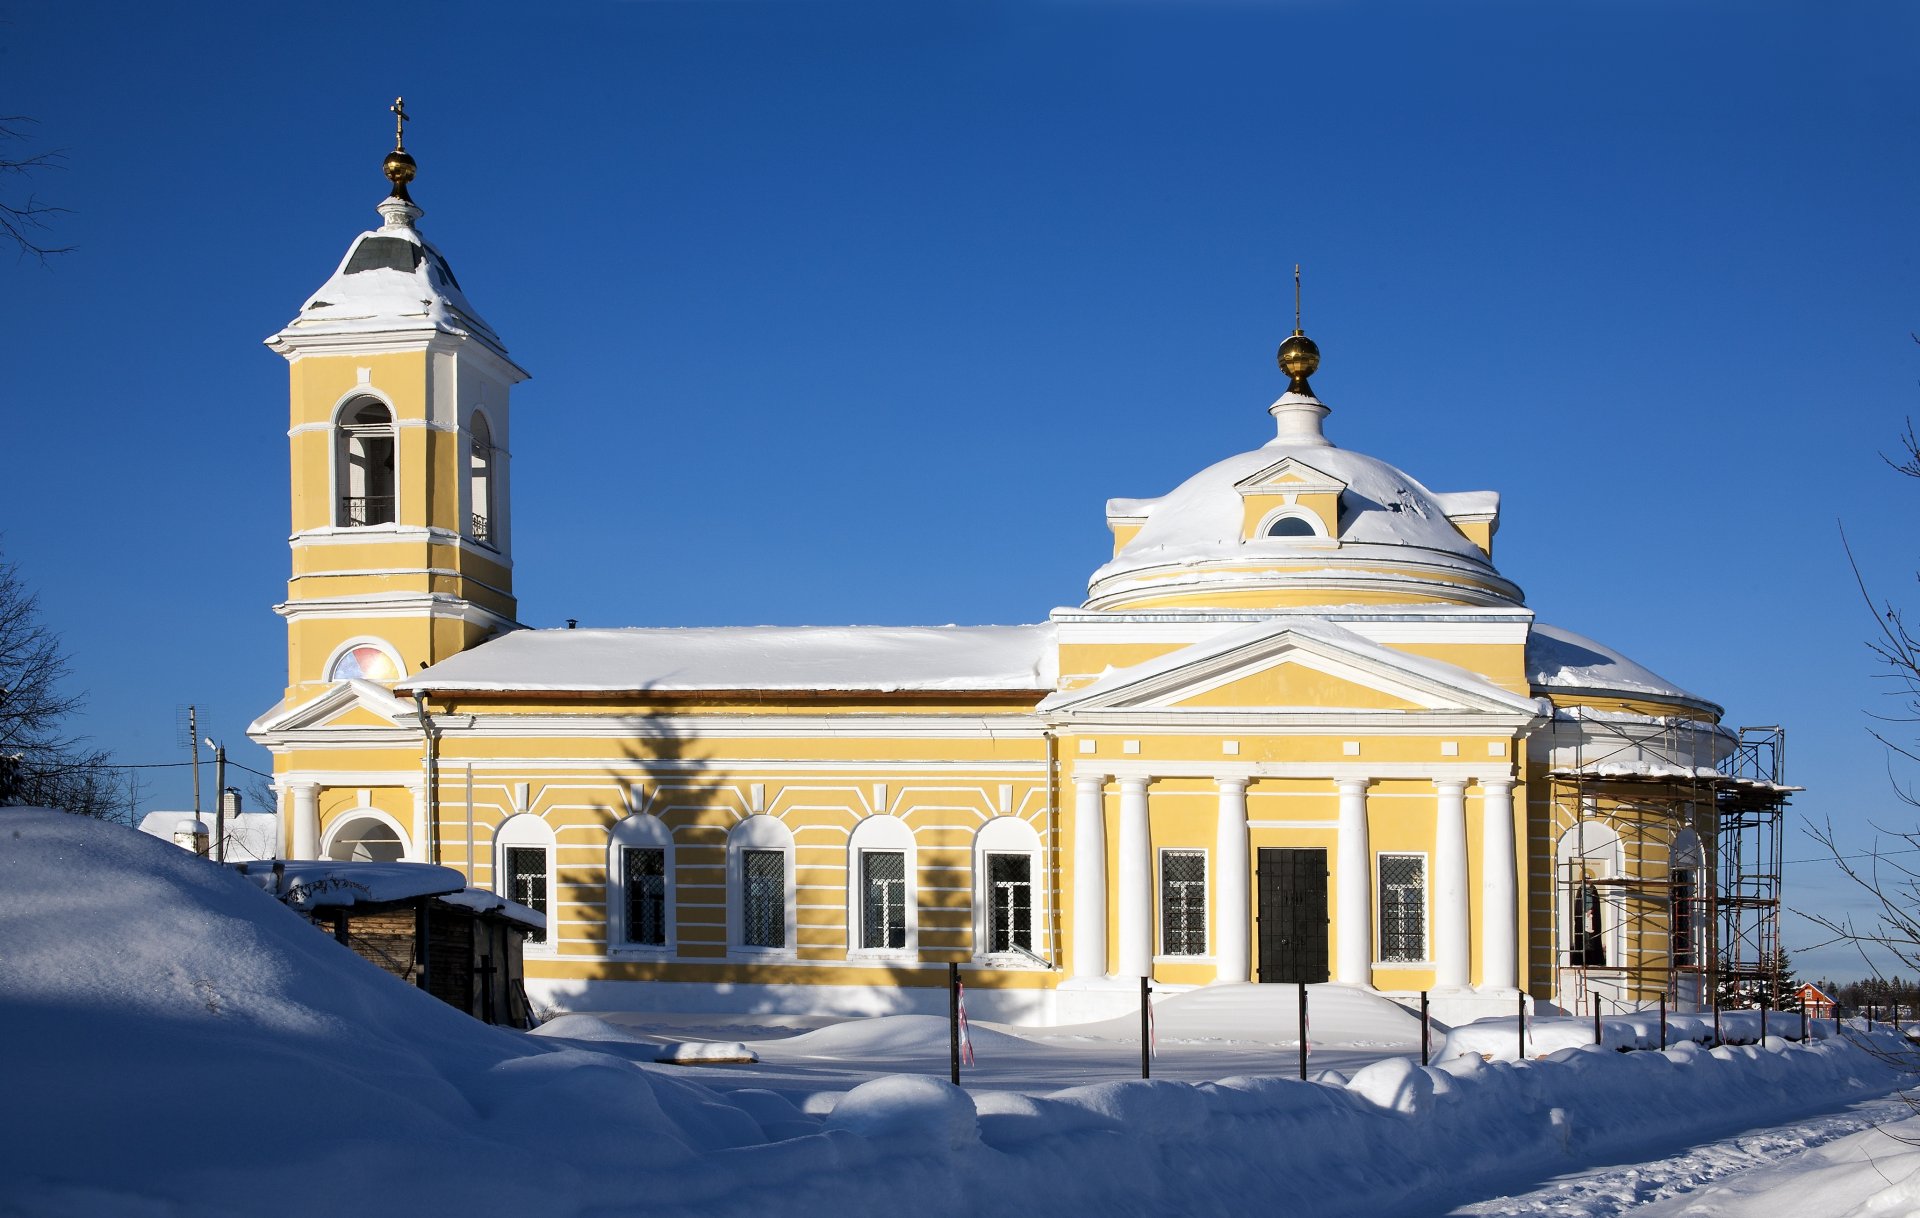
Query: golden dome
[{"x": 1299, "y": 359}]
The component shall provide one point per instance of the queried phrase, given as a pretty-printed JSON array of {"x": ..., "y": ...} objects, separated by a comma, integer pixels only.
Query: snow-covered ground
[{"x": 178, "y": 1042}]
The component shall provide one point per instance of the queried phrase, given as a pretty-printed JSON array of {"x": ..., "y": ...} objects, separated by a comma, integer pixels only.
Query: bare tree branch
[{"x": 24, "y": 222}]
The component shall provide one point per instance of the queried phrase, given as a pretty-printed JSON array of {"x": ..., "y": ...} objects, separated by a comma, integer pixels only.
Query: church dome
[{"x": 1301, "y": 522}]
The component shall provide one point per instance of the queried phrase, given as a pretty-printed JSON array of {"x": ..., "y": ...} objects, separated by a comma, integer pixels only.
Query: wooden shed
[{"x": 422, "y": 923}]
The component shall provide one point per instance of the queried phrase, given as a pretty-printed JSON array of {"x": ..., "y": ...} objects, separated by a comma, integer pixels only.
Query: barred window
[
  {"x": 1183, "y": 903},
  {"x": 1403, "y": 907},
  {"x": 527, "y": 882},
  {"x": 1682, "y": 920},
  {"x": 1009, "y": 902},
  {"x": 646, "y": 876},
  {"x": 883, "y": 905},
  {"x": 763, "y": 898}
]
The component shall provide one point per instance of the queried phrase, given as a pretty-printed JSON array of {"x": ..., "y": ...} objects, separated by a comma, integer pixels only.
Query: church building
[{"x": 1302, "y": 728}]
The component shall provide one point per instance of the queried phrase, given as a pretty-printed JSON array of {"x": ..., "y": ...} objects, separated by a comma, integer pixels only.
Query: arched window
[
  {"x": 1008, "y": 909},
  {"x": 640, "y": 914},
  {"x": 882, "y": 918},
  {"x": 1291, "y": 526},
  {"x": 1687, "y": 907},
  {"x": 480, "y": 474},
  {"x": 523, "y": 870},
  {"x": 760, "y": 892},
  {"x": 1590, "y": 860},
  {"x": 365, "y": 836},
  {"x": 363, "y": 458},
  {"x": 365, "y": 661}
]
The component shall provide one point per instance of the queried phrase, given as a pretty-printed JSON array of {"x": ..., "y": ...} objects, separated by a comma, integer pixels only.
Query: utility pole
[
  {"x": 193, "y": 738},
  {"x": 219, "y": 797}
]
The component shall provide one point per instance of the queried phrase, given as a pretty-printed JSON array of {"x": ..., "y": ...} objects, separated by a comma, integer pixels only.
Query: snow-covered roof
[
  {"x": 327, "y": 883},
  {"x": 250, "y": 835},
  {"x": 851, "y": 658},
  {"x": 1562, "y": 660},
  {"x": 391, "y": 278},
  {"x": 1386, "y": 517},
  {"x": 479, "y": 900}
]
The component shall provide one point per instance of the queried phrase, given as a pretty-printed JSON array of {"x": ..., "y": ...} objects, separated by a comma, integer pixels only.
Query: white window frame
[
  {"x": 1160, "y": 953},
  {"x": 482, "y": 491},
  {"x": 640, "y": 831},
  {"x": 888, "y": 834},
  {"x": 339, "y": 440},
  {"x": 365, "y": 640},
  {"x": 1291, "y": 511},
  {"x": 1426, "y": 910},
  {"x": 1011, "y": 835},
  {"x": 341, "y": 821},
  {"x": 1597, "y": 845},
  {"x": 527, "y": 831},
  {"x": 759, "y": 832}
]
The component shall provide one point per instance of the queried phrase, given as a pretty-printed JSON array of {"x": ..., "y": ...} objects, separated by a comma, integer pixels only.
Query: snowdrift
[{"x": 180, "y": 1043}]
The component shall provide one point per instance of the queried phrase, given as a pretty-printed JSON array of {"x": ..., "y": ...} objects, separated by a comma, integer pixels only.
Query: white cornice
[{"x": 1500, "y": 771}]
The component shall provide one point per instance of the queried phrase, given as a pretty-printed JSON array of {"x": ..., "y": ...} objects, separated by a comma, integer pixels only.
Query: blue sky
[{"x": 859, "y": 313}]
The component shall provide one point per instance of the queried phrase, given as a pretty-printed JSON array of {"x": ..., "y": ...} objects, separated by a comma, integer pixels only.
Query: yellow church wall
[
  {"x": 1089, "y": 660},
  {"x": 1325, "y": 505},
  {"x": 1505, "y": 664},
  {"x": 1296, "y": 685}
]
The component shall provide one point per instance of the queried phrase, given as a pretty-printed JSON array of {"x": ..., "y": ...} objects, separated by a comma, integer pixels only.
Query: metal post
[
  {"x": 1146, "y": 1035},
  {"x": 1303, "y": 1031},
  {"x": 1869, "y": 1017},
  {"x": 953, "y": 1022},
  {"x": 1522, "y": 1025},
  {"x": 1763, "y": 1025},
  {"x": 1426, "y": 1030},
  {"x": 1718, "y": 1040},
  {"x": 219, "y": 803},
  {"x": 1598, "y": 1038},
  {"x": 193, "y": 734},
  {"x": 1663, "y": 1022},
  {"x": 1803, "y": 1019}
]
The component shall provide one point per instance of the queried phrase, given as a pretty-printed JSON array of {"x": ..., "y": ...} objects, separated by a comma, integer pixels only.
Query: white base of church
[{"x": 1073, "y": 1002}]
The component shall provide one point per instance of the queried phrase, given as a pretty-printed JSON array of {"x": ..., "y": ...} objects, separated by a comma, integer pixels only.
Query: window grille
[
  {"x": 527, "y": 882},
  {"x": 646, "y": 896},
  {"x": 884, "y": 904},
  {"x": 1183, "y": 903},
  {"x": 1587, "y": 938},
  {"x": 1009, "y": 902},
  {"x": 763, "y": 898},
  {"x": 1686, "y": 951},
  {"x": 1403, "y": 907}
]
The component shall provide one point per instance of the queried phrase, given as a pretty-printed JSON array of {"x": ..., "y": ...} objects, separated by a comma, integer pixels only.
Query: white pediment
[
  {"x": 1294, "y": 667},
  {"x": 347, "y": 705},
  {"x": 1290, "y": 476}
]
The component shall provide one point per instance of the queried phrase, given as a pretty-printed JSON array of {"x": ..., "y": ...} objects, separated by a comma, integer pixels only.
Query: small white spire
[
  {"x": 398, "y": 214},
  {"x": 1298, "y": 416}
]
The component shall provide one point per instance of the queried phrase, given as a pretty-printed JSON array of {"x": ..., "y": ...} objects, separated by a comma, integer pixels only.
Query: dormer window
[
  {"x": 364, "y": 465},
  {"x": 1291, "y": 526},
  {"x": 480, "y": 475}
]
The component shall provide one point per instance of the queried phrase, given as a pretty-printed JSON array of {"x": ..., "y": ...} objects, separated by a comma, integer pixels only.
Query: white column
[
  {"x": 1354, "y": 961},
  {"x": 1450, "y": 942},
  {"x": 417, "y": 849},
  {"x": 1089, "y": 876},
  {"x": 1232, "y": 886},
  {"x": 306, "y": 819},
  {"x": 1136, "y": 881},
  {"x": 1499, "y": 888}
]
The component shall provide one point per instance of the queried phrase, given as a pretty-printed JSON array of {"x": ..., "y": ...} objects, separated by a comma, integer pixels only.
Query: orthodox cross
[{"x": 399, "y": 110}]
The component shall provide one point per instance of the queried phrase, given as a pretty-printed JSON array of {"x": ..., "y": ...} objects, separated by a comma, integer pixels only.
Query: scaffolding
[{"x": 1666, "y": 849}]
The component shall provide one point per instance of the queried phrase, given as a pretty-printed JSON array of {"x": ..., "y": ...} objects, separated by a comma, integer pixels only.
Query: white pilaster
[
  {"x": 1232, "y": 886},
  {"x": 1136, "y": 881},
  {"x": 1354, "y": 890},
  {"x": 417, "y": 849},
  {"x": 306, "y": 819},
  {"x": 1089, "y": 876},
  {"x": 1499, "y": 888},
  {"x": 1452, "y": 967}
]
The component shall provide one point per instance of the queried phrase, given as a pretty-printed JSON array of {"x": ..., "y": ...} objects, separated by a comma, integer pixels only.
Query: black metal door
[{"x": 1293, "y": 915}]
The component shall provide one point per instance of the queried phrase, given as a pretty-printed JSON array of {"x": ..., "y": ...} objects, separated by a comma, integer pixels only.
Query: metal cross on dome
[{"x": 400, "y": 117}]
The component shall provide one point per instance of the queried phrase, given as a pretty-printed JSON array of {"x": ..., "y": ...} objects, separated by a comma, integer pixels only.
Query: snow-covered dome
[{"x": 1299, "y": 521}]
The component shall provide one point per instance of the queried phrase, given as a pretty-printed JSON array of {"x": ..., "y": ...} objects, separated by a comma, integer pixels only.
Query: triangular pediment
[
  {"x": 1300, "y": 666},
  {"x": 348, "y": 705},
  {"x": 1289, "y": 475}
]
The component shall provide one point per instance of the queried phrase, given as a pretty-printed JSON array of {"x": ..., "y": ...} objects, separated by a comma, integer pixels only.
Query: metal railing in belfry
[
  {"x": 359, "y": 510},
  {"x": 480, "y": 528}
]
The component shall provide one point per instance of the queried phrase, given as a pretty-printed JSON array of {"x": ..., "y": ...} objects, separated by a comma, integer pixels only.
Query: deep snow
[{"x": 180, "y": 1042}]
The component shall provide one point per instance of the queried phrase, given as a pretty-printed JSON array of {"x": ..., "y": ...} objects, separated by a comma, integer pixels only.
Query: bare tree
[
  {"x": 40, "y": 763},
  {"x": 26, "y": 221}
]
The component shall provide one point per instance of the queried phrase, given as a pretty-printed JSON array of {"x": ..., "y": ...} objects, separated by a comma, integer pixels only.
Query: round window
[{"x": 366, "y": 663}]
